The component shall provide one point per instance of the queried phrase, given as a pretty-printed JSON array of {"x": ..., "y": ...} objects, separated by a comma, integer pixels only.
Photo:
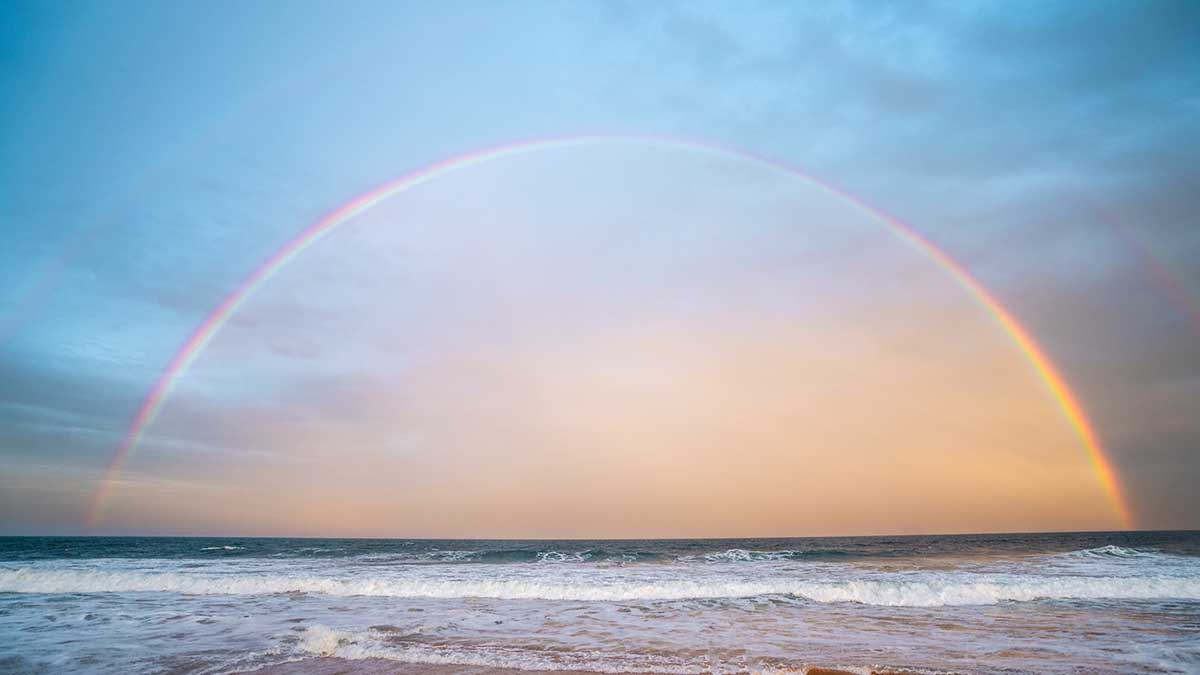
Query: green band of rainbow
[{"x": 195, "y": 344}]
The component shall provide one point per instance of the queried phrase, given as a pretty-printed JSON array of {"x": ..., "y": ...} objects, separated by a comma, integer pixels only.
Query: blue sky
[{"x": 154, "y": 154}]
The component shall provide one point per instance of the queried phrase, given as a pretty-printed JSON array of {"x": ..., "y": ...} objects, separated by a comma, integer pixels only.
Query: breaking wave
[
  {"x": 1120, "y": 557},
  {"x": 901, "y": 590},
  {"x": 500, "y": 556},
  {"x": 1113, "y": 551},
  {"x": 743, "y": 555},
  {"x": 321, "y": 640}
]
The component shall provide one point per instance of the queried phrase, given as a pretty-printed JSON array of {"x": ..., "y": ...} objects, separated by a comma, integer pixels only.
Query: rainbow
[{"x": 195, "y": 344}]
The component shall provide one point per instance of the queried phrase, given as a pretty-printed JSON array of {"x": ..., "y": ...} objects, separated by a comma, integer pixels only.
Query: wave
[
  {"x": 320, "y": 640},
  {"x": 1119, "y": 557},
  {"x": 323, "y": 641},
  {"x": 903, "y": 590},
  {"x": 744, "y": 555},
  {"x": 533, "y": 555},
  {"x": 1113, "y": 551},
  {"x": 526, "y": 555},
  {"x": 504, "y": 556},
  {"x": 601, "y": 555}
]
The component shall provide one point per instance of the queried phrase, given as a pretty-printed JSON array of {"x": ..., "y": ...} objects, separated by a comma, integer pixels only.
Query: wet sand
[
  {"x": 331, "y": 666},
  {"x": 335, "y": 666}
]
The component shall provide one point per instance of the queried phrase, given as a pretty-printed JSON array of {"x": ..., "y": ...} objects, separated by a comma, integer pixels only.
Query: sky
[{"x": 635, "y": 337}]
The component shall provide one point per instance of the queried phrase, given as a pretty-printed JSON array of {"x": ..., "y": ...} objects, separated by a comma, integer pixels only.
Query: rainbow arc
[{"x": 1054, "y": 382}]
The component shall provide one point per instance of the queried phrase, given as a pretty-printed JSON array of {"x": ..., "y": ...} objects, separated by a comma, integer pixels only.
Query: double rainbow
[{"x": 195, "y": 344}]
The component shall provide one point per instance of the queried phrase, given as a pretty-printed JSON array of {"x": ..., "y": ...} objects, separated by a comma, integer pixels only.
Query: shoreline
[{"x": 332, "y": 665}]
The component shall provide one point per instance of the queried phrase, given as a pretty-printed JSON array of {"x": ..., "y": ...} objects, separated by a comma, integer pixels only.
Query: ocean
[{"x": 1090, "y": 603}]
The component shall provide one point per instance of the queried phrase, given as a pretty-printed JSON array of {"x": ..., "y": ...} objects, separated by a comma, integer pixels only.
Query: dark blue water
[{"x": 510, "y": 551}]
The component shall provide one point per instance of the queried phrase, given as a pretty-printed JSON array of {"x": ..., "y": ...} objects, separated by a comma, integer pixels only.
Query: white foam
[
  {"x": 899, "y": 590},
  {"x": 743, "y": 555},
  {"x": 558, "y": 557},
  {"x": 450, "y": 556},
  {"x": 1121, "y": 561},
  {"x": 320, "y": 640},
  {"x": 1113, "y": 551}
]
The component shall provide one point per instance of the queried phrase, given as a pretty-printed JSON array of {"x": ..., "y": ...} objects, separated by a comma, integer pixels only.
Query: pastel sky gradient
[{"x": 606, "y": 341}]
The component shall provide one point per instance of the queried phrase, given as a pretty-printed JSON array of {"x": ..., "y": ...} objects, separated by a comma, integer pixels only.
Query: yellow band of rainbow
[{"x": 195, "y": 344}]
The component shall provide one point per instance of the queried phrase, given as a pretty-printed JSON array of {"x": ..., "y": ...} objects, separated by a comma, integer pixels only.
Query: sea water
[{"x": 1036, "y": 603}]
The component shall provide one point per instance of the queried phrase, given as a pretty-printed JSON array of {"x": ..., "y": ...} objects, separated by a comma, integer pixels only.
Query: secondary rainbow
[
  {"x": 1166, "y": 280},
  {"x": 195, "y": 344}
]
